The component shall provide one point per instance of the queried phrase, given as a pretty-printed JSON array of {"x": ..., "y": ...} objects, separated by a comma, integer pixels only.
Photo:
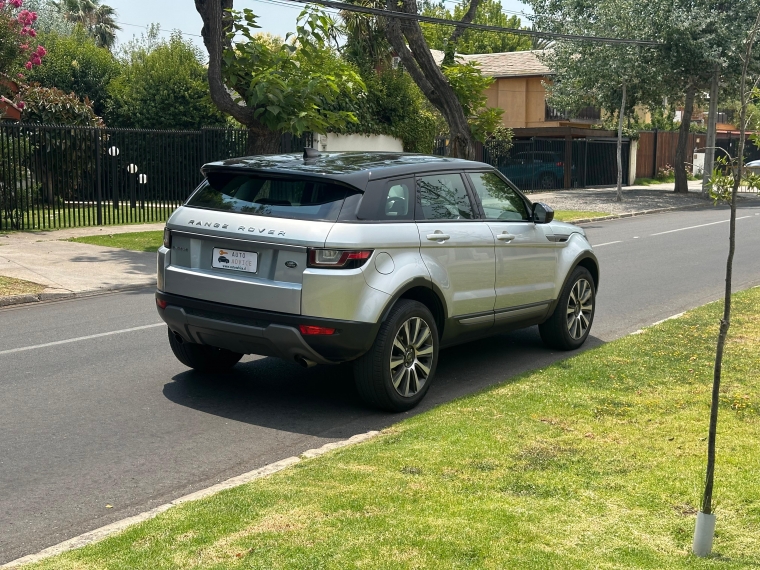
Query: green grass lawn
[
  {"x": 68, "y": 215},
  {"x": 570, "y": 215},
  {"x": 12, "y": 286},
  {"x": 594, "y": 462},
  {"x": 135, "y": 241}
]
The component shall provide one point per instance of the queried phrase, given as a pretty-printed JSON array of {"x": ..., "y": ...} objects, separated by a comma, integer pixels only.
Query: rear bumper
[{"x": 253, "y": 331}]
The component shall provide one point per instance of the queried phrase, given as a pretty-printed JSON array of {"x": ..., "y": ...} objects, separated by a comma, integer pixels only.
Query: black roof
[{"x": 354, "y": 168}]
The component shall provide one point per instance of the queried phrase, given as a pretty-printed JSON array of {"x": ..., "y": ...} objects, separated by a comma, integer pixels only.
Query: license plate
[{"x": 235, "y": 260}]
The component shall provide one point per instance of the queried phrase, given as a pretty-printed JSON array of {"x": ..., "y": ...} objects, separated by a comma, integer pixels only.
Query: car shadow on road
[{"x": 322, "y": 401}]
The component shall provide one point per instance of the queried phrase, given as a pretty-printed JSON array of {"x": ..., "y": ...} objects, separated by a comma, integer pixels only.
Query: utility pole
[{"x": 712, "y": 120}]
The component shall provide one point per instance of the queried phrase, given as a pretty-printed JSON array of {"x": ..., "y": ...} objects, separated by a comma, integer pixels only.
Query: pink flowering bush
[{"x": 17, "y": 51}]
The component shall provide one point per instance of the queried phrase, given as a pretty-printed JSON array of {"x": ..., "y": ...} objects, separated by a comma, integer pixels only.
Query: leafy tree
[
  {"x": 49, "y": 18},
  {"x": 290, "y": 87},
  {"x": 98, "y": 19},
  {"x": 75, "y": 64},
  {"x": 473, "y": 41},
  {"x": 162, "y": 85},
  {"x": 611, "y": 77}
]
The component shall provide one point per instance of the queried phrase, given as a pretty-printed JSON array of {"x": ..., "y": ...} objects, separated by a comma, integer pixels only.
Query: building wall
[
  {"x": 342, "y": 143},
  {"x": 523, "y": 100}
]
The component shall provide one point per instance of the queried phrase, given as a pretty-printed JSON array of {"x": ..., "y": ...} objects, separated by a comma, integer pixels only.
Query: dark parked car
[{"x": 535, "y": 170}]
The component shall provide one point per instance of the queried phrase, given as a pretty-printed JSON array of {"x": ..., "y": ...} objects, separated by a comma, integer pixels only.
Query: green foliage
[
  {"x": 469, "y": 85},
  {"x": 49, "y": 19},
  {"x": 51, "y": 106},
  {"x": 75, "y": 64},
  {"x": 162, "y": 85},
  {"x": 499, "y": 141},
  {"x": 393, "y": 105},
  {"x": 473, "y": 41},
  {"x": 292, "y": 86}
]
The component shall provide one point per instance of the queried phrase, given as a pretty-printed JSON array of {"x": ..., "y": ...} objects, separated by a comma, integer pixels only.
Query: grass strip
[
  {"x": 570, "y": 215},
  {"x": 134, "y": 241},
  {"x": 10, "y": 286},
  {"x": 594, "y": 462}
]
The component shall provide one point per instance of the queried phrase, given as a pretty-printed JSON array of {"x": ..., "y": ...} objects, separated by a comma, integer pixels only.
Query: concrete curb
[
  {"x": 118, "y": 526},
  {"x": 48, "y": 296},
  {"x": 639, "y": 213}
]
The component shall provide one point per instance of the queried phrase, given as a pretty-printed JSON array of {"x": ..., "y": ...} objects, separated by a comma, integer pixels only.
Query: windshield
[{"x": 278, "y": 197}]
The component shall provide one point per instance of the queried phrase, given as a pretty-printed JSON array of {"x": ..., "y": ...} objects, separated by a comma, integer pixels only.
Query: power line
[{"x": 427, "y": 19}]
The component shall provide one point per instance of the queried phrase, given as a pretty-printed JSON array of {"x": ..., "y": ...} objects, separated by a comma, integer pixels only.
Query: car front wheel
[
  {"x": 395, "y": 374},
  {"x": 569, "y": 325}
]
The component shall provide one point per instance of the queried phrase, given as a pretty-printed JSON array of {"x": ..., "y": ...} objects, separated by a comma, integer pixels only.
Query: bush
[
  {"x": 163, "y": 85},
  {"x": 75, "y": 64}
]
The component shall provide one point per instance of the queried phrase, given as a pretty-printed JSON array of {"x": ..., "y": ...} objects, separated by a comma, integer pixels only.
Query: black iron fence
[
  {"x": 537, "y": 164},
  {"x": 55, "y": 177}
]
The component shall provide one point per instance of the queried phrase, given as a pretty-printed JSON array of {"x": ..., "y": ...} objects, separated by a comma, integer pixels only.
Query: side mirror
[{"x": 542, "y": 213}]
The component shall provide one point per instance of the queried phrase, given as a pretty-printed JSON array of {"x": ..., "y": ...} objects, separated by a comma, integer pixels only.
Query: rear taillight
[
  {"x": 161, "y": 303},
  {"x": 338, "y": 258},
  {"x": 312, "y": 330},
  {"x": 167, "y": 238},
  {"x": 560, "y": 164}
]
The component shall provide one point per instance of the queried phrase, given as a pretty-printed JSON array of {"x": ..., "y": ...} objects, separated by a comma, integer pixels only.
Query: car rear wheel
[
  {"x": 569, "y": 325},
  {"x": 202, "y": 357},
  {"x": 395, "y": 374},
  {"x": 547, "y": 181}
]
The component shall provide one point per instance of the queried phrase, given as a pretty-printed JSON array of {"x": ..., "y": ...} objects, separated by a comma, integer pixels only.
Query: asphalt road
[{"x": 116, "y": 420}]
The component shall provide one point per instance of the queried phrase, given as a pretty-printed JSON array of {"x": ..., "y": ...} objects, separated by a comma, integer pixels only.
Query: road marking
[
  {"x": 118, "y": 526},
  {"x": 699, "y": 226},
  {"x": 608, "y": 243},
  {"x": 88, "y": 337}
]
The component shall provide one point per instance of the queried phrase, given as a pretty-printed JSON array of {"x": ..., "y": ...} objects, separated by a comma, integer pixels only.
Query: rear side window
[
  {"x": 278, "y": 197},
  {"x": 443, "y": 197},
  {"x": 388, "y": 200}
]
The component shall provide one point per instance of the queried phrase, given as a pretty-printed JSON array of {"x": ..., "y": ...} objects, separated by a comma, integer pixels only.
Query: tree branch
[
  {"x": 216, "y": 24},
  {"x": 466, "y": 19}
]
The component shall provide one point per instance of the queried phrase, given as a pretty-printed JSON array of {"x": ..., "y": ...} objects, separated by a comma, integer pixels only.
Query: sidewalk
[{"x": 69, "y": 269}]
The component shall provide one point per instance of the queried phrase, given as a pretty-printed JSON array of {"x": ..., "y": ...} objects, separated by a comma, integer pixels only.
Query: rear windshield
[{"x": 278, "y": 197}]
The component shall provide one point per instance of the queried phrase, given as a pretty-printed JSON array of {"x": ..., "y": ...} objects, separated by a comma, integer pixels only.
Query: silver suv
[{"x": 375, "y": 258}]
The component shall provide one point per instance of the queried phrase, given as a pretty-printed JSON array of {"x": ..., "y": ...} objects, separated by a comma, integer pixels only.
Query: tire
[
  {"x": 201, "y": 357},
  {"x": 564, "y": 330},
  {"x": 375, "y": 371},
  {"x": 547, "y": 182}
]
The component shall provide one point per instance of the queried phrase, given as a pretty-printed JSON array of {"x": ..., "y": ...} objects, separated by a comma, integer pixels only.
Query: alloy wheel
[
  {"x": 580, "y": 305},
  {"x": 411, "y": 357}
]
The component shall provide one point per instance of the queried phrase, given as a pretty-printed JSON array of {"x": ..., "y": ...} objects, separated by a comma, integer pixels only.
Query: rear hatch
[{"x": 242, "y": 237}]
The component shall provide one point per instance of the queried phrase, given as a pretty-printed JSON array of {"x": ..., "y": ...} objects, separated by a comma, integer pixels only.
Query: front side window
[
  {"x": 262, "y": 195},
  {"x": 443, "y": 197},
  {"x": 499, "y": 200}
]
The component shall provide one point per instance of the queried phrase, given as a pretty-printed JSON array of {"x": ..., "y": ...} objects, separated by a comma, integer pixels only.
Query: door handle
[
  {"x": 438, "y": 236},
  {"x": 505, "y": 237}
]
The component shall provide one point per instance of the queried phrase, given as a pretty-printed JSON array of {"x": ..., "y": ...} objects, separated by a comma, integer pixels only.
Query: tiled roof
[{"x": 507, "y": 64}]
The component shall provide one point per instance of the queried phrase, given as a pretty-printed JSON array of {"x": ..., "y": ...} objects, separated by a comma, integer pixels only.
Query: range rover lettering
[{"x": 378, "y": 259}]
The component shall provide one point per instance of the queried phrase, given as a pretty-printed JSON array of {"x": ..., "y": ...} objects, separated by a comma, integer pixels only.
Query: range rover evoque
[{"x": 379, "y": 259}]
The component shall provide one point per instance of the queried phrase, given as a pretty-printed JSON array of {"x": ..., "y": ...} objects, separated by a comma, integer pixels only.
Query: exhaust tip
[
  {"x": 178, "y": 337},
  {"x": 305, "y": 362}
]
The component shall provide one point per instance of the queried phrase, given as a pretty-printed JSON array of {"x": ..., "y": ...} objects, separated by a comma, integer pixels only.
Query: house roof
[{"x": 507, "y": 64}]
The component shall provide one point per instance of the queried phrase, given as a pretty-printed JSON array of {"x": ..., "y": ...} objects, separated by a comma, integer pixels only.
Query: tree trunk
[
  {"x": 263, "y": 141},
  {"x": 619, "y": 197},
  {"x": 216, "y": 25},
  {"x": 711, "y": 126},
  {"x": 419, "y": 62},
  {"x": 683, "y": 139}
]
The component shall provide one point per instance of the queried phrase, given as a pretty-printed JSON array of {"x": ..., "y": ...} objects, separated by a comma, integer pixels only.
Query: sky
[{"x": 135, "y": 15}]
